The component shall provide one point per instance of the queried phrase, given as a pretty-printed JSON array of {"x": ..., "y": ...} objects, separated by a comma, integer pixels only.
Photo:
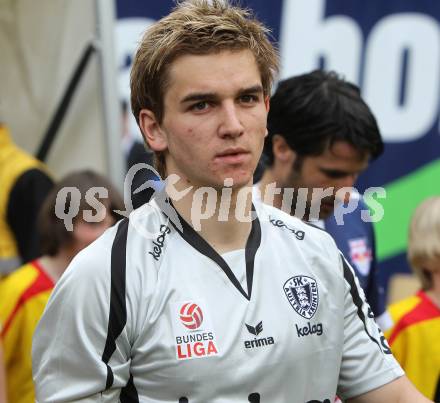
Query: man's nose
[
  {"x": 347, "y": 181},
  {"x": 230, "y": 125}
]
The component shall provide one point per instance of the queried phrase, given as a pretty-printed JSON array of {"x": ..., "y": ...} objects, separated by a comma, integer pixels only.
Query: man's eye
[
  {"x": 199, "y": 106},
  {"x": 334, "y": 174},
  {"x": 249, "y": 98}
]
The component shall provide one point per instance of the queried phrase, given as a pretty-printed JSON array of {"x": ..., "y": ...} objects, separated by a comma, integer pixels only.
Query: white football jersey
[{"x": 163, "y": 319}]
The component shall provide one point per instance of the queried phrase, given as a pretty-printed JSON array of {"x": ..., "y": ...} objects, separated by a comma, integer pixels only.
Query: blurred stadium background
[{"x": 65, "y": 65}]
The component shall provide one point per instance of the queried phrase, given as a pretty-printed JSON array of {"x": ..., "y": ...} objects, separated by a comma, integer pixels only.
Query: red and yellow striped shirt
[
  {"x": 415, "y": 341},
  {"x": 23, "y": 297}
]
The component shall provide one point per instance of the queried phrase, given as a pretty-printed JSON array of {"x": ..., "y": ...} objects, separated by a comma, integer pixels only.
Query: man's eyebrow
[
  {"x": 251, "y": 90},
  {"x": 336, "y": 172},
  {"x": 199, "y": 96},
  {"x": 331, "y": 169},
  {"x": 202, "y": 96}
]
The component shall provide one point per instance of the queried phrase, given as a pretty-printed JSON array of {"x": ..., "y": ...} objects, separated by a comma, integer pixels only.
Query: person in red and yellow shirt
[
  {"x": 25, "y": 292},
  {"x": 415, "y": 335},
  {"x": 24, "y": 184}
]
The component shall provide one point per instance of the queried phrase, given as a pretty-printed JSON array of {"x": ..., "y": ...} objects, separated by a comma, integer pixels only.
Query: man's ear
[
  {"x": 282, "y": 151},
  {"x": 267, "y": 103},
  {"x": 151, "y": 130}
]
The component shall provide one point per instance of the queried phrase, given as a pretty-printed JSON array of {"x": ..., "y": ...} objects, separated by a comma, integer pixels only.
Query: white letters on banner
[
  {"x": 419, "y": 35},
  {"x": 306, "y": 35}
]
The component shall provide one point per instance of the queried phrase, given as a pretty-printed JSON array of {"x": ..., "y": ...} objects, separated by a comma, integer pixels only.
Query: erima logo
[
  {"x": 158, "y": 244},
  {"x": 309, "y": 329},
  {"x": 256, "y": 330},
  {"x": 302, "y": 293},
  {"x": 280, "y": 224}
]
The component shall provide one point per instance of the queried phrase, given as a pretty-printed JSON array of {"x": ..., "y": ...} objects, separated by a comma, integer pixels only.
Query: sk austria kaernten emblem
[{"x": 302, "y": 293}]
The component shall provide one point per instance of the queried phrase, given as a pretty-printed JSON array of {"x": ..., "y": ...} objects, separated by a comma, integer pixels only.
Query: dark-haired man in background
[{"x": 322, "y": 135}]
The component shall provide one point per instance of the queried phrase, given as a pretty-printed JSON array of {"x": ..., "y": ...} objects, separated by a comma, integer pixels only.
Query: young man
[
  {"x": 322, "y": 135},
  {"x": 241, "y": 310}
]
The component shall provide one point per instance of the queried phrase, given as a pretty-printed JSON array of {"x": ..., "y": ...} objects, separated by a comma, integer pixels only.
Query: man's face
[
  {"x": 214, "y": 119},
  {"x": 337, "y": 167}
]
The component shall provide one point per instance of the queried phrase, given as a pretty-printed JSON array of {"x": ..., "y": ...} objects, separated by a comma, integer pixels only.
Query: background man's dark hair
[{"x": 313, "y": 110}]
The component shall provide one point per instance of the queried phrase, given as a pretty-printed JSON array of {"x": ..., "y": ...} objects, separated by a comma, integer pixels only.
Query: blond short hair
[
  {"x": 424, "y": 238},
  {"x": 196, "y": 27}
]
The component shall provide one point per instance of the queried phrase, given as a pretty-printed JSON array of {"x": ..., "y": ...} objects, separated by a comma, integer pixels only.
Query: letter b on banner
[
  {"x": 306, "y": 35},
  {"x": 401, "y": 78}
]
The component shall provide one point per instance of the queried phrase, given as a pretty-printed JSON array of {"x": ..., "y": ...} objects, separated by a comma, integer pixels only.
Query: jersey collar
[{"x": 190, "y": 235}]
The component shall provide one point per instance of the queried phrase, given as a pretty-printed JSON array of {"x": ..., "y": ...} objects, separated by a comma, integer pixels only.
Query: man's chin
[
  {"x": 324, "y": 216},
  {"x": 326, "y": 210},
  {"x": 236, "y": 181}
]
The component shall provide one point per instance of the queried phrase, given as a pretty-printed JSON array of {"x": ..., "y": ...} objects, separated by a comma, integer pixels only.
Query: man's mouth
[
  {"x": 328, "y": 203},
  {"x": 232, "y": 156}
]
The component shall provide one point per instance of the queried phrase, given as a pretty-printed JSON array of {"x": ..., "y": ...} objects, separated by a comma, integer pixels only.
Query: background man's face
[{"x": 337, "y": 167}]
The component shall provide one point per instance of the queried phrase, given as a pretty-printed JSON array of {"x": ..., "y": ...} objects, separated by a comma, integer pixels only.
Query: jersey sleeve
[
  {"x": 367, "y": 362},
  {"x": 81, "y": 348}
]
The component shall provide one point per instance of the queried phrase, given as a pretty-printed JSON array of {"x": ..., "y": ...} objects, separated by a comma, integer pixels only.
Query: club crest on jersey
[
  {"x": 193, "y": 332},
  {"x": 302, "y": 293},
  {"x": 360, "y": 255}
]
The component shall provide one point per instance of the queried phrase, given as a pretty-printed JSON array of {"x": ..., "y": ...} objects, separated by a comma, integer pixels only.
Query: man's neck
[
  {"x": 227, "y": 225},
  {"x": 270, "y": 190},
  {"x": 273, "y": 193}
]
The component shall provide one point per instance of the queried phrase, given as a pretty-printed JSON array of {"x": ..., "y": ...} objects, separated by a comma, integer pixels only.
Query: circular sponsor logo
[{"x": 191, "y": 315}]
